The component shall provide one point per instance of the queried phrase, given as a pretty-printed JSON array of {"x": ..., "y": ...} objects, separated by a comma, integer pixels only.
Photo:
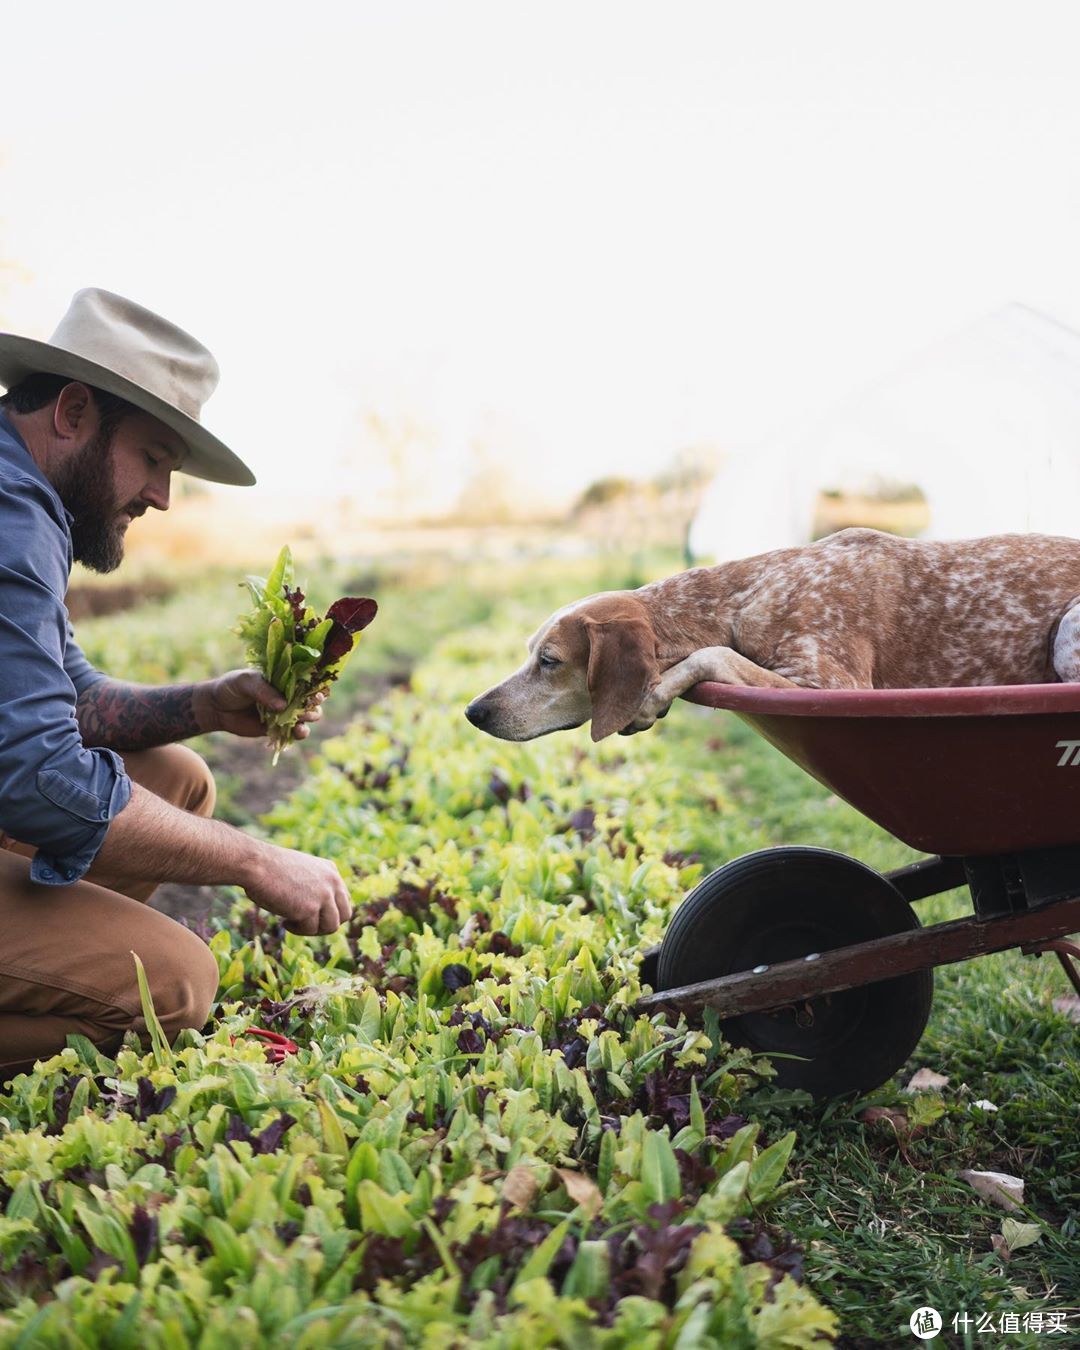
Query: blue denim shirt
[{"x": 55, "y": 792}]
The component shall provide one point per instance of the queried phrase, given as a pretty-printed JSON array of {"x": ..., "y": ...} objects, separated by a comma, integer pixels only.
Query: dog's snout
[{"x": 479, "y": 713}]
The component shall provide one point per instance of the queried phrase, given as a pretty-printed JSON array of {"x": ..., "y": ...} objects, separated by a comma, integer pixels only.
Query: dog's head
[{"x": 595, "y": 659}]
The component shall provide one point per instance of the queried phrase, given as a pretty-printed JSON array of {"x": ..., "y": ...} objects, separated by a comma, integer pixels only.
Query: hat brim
[{"x": 207, "y": 457}]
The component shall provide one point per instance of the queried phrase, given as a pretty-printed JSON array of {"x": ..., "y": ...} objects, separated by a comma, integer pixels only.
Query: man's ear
[
  {"x": 73, "y": 411},
  {"x": 622, "y": 669}
]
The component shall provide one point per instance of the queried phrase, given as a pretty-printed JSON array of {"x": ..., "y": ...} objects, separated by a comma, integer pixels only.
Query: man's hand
[
  {"x": 307, "y": 892},
  {"x": 232, "y": 701},
  {"x": 151, "y": 839}
]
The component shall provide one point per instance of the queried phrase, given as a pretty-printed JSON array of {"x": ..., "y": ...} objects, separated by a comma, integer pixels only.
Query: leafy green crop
[
  {"x": 296, "y": 651},
  {"x": 480, "y": 1142}
]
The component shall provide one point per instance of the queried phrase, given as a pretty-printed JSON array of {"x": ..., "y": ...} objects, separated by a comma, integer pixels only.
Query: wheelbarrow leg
[{"x": 1065, "y": 952}]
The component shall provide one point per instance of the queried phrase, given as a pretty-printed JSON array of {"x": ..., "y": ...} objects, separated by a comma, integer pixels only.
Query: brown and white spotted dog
[{"x": 857, "y": 610}]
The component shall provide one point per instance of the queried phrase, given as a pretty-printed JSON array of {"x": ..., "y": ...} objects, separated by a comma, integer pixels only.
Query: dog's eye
[{"x": 547, "y": 661}]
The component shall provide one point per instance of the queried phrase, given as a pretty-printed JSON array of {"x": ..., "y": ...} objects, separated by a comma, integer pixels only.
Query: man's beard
[{"x": 86, "y": 485}]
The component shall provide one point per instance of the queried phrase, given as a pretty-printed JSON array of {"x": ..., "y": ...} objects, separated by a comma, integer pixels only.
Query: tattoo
[{"x": 121, "y": 716}]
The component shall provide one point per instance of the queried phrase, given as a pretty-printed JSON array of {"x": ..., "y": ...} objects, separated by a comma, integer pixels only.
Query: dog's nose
[{"x": 478, "y": 712}]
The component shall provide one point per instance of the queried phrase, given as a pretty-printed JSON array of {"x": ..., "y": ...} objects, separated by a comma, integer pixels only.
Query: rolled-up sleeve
[
  {"x": 55, "y": 793},
  {"x": 79, "y": 670}
]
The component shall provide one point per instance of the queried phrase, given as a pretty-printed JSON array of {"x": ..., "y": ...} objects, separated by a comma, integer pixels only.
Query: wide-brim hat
[{"x": 118, "y": 346}]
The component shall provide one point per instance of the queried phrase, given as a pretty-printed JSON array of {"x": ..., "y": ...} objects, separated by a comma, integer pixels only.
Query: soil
[
  {"x": 254, "y": 787},
  {"x": 94, "y": 601}
]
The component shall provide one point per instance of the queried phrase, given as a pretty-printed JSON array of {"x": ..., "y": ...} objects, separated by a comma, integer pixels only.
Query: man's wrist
[
  {"x": 255, "y": 857},
  {"x": 203, "y": 707}
]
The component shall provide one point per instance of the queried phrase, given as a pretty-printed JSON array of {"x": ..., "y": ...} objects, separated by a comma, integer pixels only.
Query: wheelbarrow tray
[{"x": 969, "y": 771}]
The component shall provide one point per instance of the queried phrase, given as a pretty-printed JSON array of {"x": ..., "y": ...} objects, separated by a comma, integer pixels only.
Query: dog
[{"x": 857, "y": 610}]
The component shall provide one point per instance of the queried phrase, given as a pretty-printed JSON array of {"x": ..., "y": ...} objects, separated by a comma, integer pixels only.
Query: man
[{"x": 98, "y": 802}]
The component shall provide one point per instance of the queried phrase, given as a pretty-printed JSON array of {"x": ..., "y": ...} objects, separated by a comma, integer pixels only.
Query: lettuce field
[{"x": 476, "y": 1142}]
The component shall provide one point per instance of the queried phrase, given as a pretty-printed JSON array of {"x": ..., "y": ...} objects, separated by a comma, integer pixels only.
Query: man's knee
[
  {"x": 183, "y": 983},
  {"x": 176, "y": 774},
  {"x": 197, "y": 781}
]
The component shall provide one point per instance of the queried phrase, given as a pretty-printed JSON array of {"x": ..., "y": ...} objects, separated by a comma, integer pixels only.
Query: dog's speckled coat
[{"x": 857, "y": 610}]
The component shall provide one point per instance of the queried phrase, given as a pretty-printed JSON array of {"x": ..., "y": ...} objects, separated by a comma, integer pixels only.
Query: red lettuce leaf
[
  {"x": 338, "y": 641},
  {"x": 352, "y": 613},
  {"x": 349, "y": 615}
]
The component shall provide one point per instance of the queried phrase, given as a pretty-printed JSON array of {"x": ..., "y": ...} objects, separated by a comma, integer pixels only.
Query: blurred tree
[
  {"x": 689, "y": 469},
  {"x": 387, "y": 467},
  {"x": 603, "y": 492},
  {"x": 488, "y": 496},
  {"x": 405, "y": 446},
  {"x": 681, "y": 484}
]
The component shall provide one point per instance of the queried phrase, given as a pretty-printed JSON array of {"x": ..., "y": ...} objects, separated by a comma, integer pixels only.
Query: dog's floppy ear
[{"x": 622, "y": 668}]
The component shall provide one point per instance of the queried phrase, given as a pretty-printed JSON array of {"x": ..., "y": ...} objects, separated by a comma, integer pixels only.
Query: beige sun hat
[{"x": 115, "y": 345}]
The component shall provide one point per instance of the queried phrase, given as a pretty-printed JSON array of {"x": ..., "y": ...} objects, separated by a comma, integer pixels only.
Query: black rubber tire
[{"x": 782, "y": 904}]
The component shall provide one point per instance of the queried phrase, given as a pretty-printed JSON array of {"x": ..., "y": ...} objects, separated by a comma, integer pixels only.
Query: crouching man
[{"x": 98, "y": 801}]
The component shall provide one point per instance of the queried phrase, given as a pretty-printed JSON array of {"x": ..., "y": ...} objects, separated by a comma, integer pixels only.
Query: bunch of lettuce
[{"x": 296, "y": 651}]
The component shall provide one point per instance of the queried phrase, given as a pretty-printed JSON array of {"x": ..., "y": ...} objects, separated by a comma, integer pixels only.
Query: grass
[
  {"x": 886, "y": 1223},
  {"x": 888, "y": 1226}
]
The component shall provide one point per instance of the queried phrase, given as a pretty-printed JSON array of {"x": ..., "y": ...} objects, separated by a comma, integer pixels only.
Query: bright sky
[{"x": 580, "y": 234}]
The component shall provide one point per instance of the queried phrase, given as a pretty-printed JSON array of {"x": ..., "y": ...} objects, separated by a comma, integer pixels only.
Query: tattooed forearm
[{"x": 135, "y": 717}]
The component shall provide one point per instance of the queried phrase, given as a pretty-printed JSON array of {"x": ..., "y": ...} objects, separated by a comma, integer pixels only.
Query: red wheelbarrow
[{"x": 812, "y": 956}]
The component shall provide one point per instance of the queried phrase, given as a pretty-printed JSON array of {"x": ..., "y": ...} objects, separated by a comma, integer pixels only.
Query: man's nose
[{"x": 156, "y": 493}]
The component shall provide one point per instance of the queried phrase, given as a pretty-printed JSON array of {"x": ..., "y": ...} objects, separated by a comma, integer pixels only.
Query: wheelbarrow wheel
[{"x": 782, "y": 904}]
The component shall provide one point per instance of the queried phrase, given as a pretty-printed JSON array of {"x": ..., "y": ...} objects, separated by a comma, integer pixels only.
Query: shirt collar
[{"x": 15, "y": 451}]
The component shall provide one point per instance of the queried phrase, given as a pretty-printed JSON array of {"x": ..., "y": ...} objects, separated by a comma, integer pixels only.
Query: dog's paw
[
  {"x": 647, "y": 715},
  {"x": 634, "y": 728}
]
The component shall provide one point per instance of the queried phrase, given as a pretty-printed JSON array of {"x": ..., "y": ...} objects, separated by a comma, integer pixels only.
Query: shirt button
[
  {"x": 48, "y": 873},
  {"x": 69, "y": 873}
]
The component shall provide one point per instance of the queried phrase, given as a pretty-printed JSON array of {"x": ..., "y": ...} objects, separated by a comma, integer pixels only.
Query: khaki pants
[{"x": 65, "y": 951}]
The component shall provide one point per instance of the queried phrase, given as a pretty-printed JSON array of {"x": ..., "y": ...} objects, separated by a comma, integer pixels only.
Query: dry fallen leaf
[
  {"x": 999, "y": 1187},
  {"x": 1000, "y": 1246},
  {"x": 887, "y": 1115},
  {"x": 926, "y": 1080},
  {"x": 984, "y": 1105},
  {"x": 582, "y": 1190},
  {"x": 895, "y": 1121},
  {"x": 1017, "y": 1234},
  {"x": 520, "y": 1187}
]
